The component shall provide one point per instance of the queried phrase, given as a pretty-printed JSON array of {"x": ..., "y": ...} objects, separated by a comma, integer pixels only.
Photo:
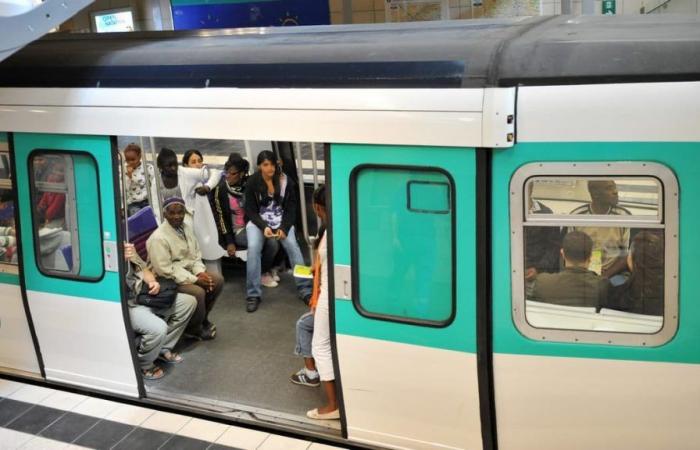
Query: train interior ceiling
[{"x": 245, "y": 371}]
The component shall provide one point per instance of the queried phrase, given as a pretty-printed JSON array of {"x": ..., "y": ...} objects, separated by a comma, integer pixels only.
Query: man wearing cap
[{"x": 174, "y": 253}]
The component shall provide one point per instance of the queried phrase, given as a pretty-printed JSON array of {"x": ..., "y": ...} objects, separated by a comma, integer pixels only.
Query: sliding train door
[
  {"x": 69, "y": 232},
  {"x": 404, "y": 254}
]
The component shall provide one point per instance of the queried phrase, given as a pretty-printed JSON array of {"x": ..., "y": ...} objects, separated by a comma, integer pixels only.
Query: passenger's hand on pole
[
  {"x": 202, "y": 190},
  {"x": 231, "y": 249},
  {"x": 268, "y": 232},
  {"x": 129, "y": 250},
  {"x": 281, "y": 234}
]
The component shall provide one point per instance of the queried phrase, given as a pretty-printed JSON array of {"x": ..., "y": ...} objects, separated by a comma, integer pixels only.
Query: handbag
[{"x": 163, "y": 299}]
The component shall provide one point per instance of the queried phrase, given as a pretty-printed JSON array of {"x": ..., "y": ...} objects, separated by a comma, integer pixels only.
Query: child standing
[{"x": 136, "y": 186}]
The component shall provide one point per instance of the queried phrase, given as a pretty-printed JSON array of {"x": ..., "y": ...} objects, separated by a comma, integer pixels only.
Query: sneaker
[
  {"x": 274, "y": 273},
  {"x": 252, "y": 304},
  {"x": 267, "y": 281},
  {"x": 304, "y": 380}
]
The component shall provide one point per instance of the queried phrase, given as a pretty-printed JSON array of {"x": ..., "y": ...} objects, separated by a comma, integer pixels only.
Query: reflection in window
[
  {"x": 594, "y": 254},
  {"x": 8, "y": 238},
  {"x": 51, "y": 221}
]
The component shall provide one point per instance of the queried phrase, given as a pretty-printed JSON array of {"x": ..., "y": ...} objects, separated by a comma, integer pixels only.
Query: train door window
[
  {"x": 595, "y": 252},
  {"x": 67, "y": 226},
  {"x": 403, "y": 244},
  {"x": 8, "y": 239}
]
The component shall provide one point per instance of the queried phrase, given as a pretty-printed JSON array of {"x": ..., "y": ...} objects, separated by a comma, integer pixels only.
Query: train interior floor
[{"x": 247, "y": 367}]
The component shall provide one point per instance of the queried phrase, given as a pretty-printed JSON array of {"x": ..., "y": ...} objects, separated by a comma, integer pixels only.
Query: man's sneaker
[
  {"x": 252, "y": 304},
  {"x": 304, "y": 380},
  {"x": 267, "y": 281}
]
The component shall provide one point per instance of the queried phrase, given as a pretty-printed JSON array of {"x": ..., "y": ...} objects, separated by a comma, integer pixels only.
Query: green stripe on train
[
  {"x": 9, "y": 278},
  {"x": 684, "y": 159}
]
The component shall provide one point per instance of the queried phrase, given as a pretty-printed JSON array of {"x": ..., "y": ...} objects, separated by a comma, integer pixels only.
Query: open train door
[
  {"x": 404, "y": 248},
  {"x": 66, "y": 189}
]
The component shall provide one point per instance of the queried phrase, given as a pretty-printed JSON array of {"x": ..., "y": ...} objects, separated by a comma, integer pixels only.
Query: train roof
[{"x": 466, "y": 53}]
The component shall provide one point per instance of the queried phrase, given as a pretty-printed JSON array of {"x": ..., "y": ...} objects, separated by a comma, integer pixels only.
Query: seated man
[
  {"x": 174, "y": 253},
  {"x": 160, "y": 329},
  {"x": 610, "y": 244},
  {"x": 575, "y": 285}
]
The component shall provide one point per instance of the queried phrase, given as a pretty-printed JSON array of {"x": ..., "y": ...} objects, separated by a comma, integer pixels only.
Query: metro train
[{"x": 440, "y": 142}]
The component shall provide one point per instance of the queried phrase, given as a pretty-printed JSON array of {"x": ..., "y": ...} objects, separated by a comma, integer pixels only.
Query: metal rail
[{"x": 302, "y": 199}]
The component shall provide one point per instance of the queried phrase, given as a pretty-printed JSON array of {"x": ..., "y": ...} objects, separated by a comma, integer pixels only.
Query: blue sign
[{"x": 194, "y": 14}]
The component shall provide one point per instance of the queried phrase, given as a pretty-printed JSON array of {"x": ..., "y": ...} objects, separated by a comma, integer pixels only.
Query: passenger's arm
[
  {"x": 222, "y": 214},
  {"x": 162, "y": 263},
  {"x": 289, "y": 215}
]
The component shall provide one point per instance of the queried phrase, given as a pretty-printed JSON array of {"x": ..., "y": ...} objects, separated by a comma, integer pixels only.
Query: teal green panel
[
  {"x": 397, "y": 243},
  {"x": 9, "y": 278},
  {"x": 684, "y": 160},
  {"x": 460, "y": 163},
  {"x": 99, "y": 147},
  {"x": 87, "y": 198},
  {"x": 429, "y": 196}
]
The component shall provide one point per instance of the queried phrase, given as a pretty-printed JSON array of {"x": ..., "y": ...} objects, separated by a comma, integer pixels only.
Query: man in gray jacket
[{"x": 575, "y": 285}]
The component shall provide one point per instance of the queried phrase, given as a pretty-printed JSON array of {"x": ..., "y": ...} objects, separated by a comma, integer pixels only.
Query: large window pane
[{"x": 404, "y": 232}]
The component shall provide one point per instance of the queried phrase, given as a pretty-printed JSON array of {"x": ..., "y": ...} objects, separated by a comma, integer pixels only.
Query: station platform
[{"x": 37, "y": 417}]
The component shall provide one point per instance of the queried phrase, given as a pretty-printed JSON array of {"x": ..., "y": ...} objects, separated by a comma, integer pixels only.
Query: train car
[{"x": 459, "y": 158}]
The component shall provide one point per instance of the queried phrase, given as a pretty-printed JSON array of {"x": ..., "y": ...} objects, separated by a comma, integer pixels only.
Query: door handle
[{"x": 342, "y": 276}]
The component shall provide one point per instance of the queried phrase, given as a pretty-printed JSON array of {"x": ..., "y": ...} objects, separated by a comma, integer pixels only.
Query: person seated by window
[
  {"x": 193, "y": 184},
  {"x": 542, "y": 244},
  {"x": 174, "y": 253},
  {"x": 8, "y": 238},
  {"x": 50, "y": 212},
  {"x": 575, "y": 285},
  {"x": 159, "y": 328},
  {"x": 643, "y": 292},
  {"x": 51, "y": 208},
  {"x": 610, "y": 244},
  {"x": 227, "y": 201},
  {"x": 135, "y": 180},
  {"x": 271, "y": 206}
]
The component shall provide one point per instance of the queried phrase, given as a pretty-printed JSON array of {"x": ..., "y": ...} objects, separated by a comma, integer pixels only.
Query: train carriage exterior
[{"x": 436, "y": 137}]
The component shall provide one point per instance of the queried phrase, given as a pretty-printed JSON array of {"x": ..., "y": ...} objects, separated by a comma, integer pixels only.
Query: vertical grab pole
[
  {"x": 249, "y": 153},
  {"x": 146, "y": 173},
  {"x": 302, "y": 199},
  {"x": 156, "y": 175},
  {"x": 122, "y": 168},
  {"x": 314, "y": 164}
]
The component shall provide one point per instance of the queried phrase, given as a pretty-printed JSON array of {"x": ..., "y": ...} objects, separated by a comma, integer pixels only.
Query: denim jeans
[
  {"x": 256, "y": 239},
  {"x": 305, "y": 333}
]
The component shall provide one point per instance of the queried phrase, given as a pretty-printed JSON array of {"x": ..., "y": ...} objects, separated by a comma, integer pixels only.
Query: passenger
[
  {"x": 271, "y": 206},
  {"x": 51, "y": 208},
  {"x": 227, "y": 201},
  {"x": 193, "y": 185},
  {"x": 159, "y": 329},
  {"x": 321, "y": 341},
  {"x": 50, "y": 214},
  {"x": 643, "y": 292},
  {"x": 542, "y": 244},
  {"x": 575, "y": 285},
  {"x": 174, "y": 253},
  {"x": 136, "y": 185},
  {"x": 193, "y": 158},
  {"x": 609, "y": 243},
  {"x": 8, "y": 244}
]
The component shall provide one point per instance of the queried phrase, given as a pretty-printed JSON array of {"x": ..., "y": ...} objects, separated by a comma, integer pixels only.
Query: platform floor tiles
[
  {"x": 250, "y": 361},
  {"x": 34, "y": 417}
]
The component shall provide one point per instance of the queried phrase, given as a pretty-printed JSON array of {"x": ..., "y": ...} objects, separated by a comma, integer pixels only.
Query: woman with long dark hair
[{"x": 271, "y": 206}]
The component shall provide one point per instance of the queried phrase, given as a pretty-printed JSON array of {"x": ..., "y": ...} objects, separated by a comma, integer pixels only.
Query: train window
[
  {"x": 8, "y": 239},
  {"x": 67, "y": 226},
  {"x": 403, "y": 244},
  {"x": 595, "y": 252}
]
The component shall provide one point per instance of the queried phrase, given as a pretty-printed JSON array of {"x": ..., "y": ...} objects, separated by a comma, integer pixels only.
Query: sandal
[
  {"x": 170, "y": 357},
  {"x": 154, "y": 373}
]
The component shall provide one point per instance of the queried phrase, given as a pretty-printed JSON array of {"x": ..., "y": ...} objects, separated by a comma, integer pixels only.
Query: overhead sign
[
  {"x": 113, "y": 21},
  {"x": 609, "y": 7},
  {"x": 197, "y": 14}
]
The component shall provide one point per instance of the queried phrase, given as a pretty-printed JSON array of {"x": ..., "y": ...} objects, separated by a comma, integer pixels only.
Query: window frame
[
  {"x": 669, "y": 222},
  {"x": 74, "y": 274},
  {"x": 354, "y": 245}
]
